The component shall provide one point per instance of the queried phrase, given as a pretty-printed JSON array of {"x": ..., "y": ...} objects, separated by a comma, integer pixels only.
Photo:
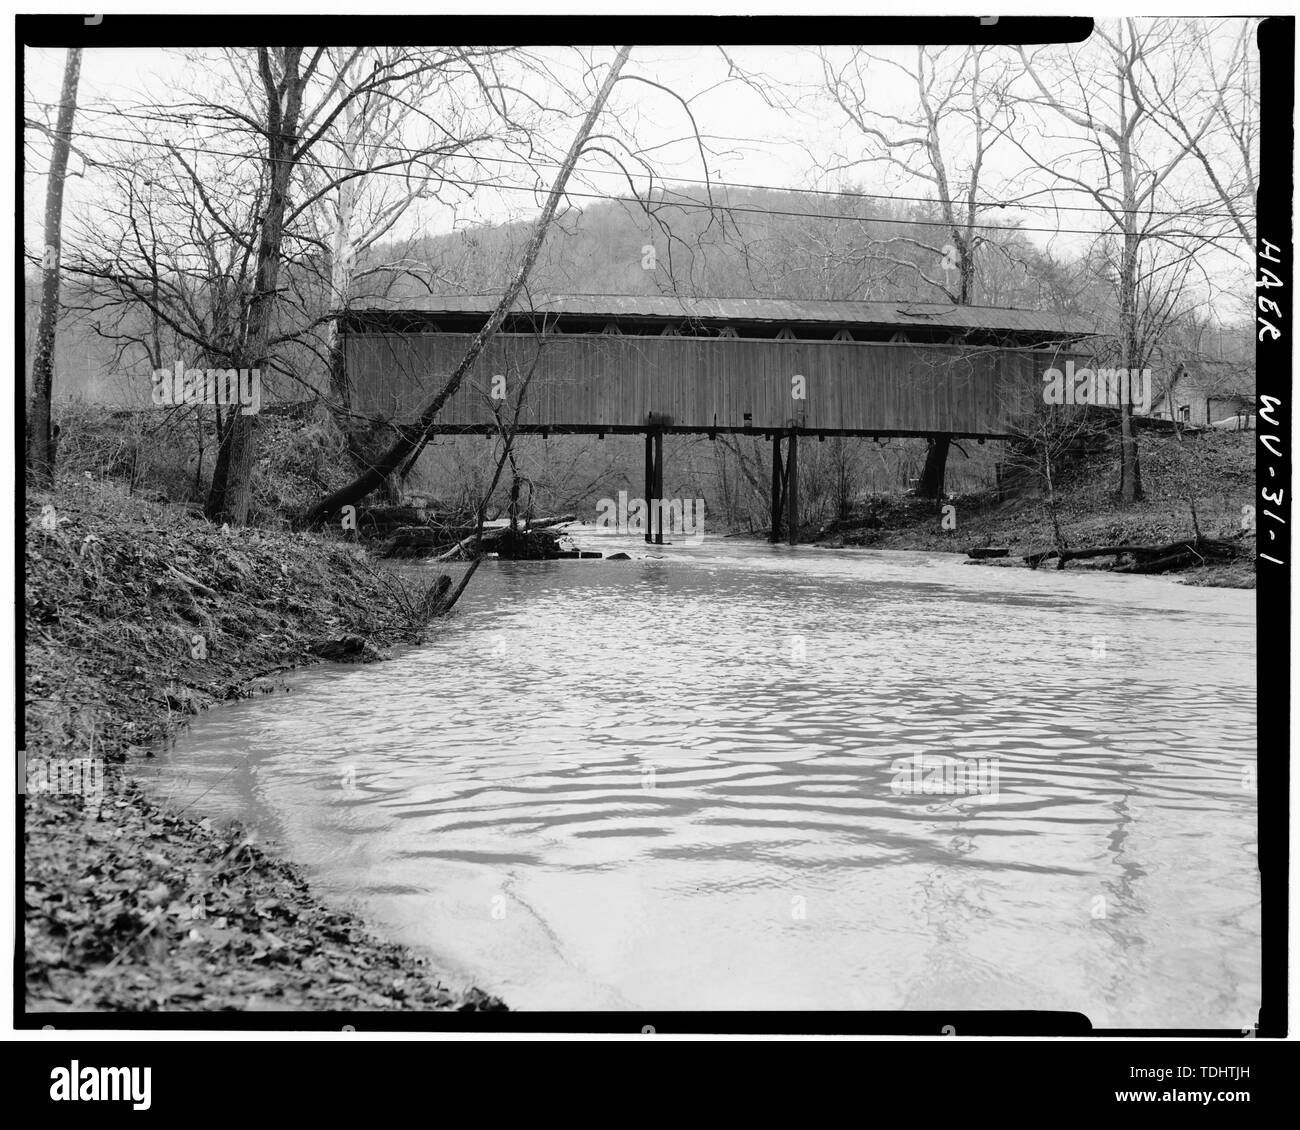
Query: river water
[{"x": 734, "y": 776}]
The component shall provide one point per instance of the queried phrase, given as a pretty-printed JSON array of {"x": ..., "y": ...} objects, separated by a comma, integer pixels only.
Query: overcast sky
[{"x": 748, "y": 141}]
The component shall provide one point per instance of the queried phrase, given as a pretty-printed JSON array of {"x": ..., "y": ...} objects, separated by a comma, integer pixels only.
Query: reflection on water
[{"x": 679, "y": 782}]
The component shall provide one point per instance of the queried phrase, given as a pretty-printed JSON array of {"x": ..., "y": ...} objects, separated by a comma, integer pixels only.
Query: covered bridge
[{"x": 656, "y": 363}]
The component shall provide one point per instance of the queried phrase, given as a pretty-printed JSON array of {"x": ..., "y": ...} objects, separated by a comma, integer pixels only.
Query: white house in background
[{"x": 1215, "y": 393}]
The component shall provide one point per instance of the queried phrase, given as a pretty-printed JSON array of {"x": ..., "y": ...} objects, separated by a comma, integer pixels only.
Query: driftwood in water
[
  {"x": 523, "y": 545},
  {"x": 492, "y": 539},
  {"x": 430, "y": 542}
]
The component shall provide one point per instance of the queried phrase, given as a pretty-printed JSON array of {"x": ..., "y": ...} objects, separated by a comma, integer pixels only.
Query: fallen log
[
  {"x": 487, "y": 538},
  {"x": 456, "y": 549},
  {"x": 420, "y": 541},
  {"x": 1033, "y": 560},
  {"x": 1163, "y": 564},
  {"x": 1192, "y": 553},
  {"x": 518, "y": 541},
  {"x": 545, "y": 523},
  {"x": 526, "y": 545},
  {"x": 1147, "y": 554}
]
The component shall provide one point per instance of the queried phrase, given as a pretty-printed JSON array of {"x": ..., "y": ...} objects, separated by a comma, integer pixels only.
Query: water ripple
[{"x": 740, "y": 776}]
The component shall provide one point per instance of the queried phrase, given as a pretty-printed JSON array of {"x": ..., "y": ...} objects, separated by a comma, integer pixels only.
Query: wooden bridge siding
[{"x": 613, "y": 380}]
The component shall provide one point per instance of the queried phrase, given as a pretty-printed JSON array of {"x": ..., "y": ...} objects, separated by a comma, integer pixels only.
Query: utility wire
[
  {"x": 662, "y": 202},
  {"x": 544, "y": 163}
]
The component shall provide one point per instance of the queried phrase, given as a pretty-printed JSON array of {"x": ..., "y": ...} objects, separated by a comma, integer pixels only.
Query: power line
[
  {"x": 848, "y": 193},
  {"x": 682, "y": 204}
]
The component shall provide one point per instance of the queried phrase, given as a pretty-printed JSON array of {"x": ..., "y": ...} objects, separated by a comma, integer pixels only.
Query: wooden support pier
[
  {"x": 778, "y": 489},
  {"x": 649, "y": 476},
  {"x": 792, "y": 488},
  {"x": 785, "y": 487},
  {"x": 654, "y": 475}
]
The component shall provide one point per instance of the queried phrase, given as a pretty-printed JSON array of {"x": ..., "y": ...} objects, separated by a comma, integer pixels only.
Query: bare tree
[
  {"x": 1102, "y": 89},
  {"x": 40, "y": 431},
  {"x": 958, "y": 117},
  {"x": 291, "y": 130},
  {"x": 1048, "y": 437},
  {"x": 1218, "y": 116},
  {"x": 413, "y": 437},
  {"x": 351, "y": 173},
  {"x": 222, "y": 252}
]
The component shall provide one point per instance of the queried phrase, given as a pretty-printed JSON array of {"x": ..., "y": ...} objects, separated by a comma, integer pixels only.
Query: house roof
[
  {"x": 1211, "y": 379},
  {"x": 884, "y": 314}
]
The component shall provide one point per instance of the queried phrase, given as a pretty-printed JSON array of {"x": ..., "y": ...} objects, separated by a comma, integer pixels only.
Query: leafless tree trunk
[
  {"x": 40, "y": 432},
  {"x": 414, "y": 435},
  {"x": 1130, "y": 470},
  {"x": 368, "y": 135},
  {"x": 957, "y": 110},
  {"x": 232, "y": 485},
  {"x": 204, "y": 249},
  {"x": 923, "y": 147},
  {"x": 1132, "y": 174}
]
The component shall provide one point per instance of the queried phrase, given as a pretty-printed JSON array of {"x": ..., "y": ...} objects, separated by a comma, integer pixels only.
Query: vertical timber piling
[
  {"x": 657, "y": 506},
  {"x": 649, "y": 478},
  {"x": 792, "y": 487},
  {"x": 778, "y": 489}
]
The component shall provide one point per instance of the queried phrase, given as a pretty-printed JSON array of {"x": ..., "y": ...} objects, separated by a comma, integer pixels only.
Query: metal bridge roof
[{"x": 937, "y": 315}]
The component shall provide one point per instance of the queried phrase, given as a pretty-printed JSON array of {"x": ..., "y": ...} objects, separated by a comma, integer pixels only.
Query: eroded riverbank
[{"x": 137, "y": 618}]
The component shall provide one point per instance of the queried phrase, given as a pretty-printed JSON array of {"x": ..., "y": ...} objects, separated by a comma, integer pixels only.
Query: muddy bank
[
  {"x": 137, "y": 617},
  {"x": 1017, "y": 528},
  {"x": 1211, "y": 477}
]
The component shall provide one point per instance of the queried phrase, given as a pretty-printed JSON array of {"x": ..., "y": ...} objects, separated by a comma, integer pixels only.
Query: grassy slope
[{"x": 138, "y": 617}]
